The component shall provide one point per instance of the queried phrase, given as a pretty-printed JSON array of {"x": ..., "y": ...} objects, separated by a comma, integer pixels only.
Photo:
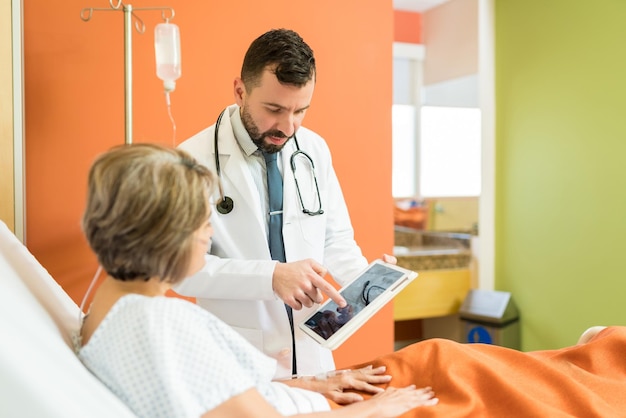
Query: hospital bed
[{"x": 40, "y": 376}]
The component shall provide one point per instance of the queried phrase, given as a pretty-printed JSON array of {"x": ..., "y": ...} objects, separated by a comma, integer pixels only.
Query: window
[
  {"x": 450, "y": 151},
  {"x": 448, "y": 156},
  {"x": 436, "y": 131},
  {"x": 403, "y": 151}
]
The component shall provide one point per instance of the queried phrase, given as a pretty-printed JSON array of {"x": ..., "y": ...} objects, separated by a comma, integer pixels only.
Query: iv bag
[{"x": 167, "y": 52}]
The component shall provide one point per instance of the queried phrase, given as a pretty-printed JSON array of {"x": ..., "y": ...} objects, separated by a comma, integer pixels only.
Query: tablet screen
[{"x": 358, "y": 294}]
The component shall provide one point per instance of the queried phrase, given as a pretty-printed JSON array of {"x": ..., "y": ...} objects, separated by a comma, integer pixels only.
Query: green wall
[{"x": 561, "y": 165}]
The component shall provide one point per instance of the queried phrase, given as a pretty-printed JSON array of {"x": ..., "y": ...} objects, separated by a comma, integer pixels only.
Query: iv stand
[{"x": 87, "y": 13}]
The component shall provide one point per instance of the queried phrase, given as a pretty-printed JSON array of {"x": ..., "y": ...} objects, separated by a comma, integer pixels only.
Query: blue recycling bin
[{"x": 490, "y": 317}]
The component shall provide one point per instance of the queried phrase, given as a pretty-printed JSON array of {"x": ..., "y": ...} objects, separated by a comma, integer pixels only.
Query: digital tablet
[{"x": 331, "y": 325}]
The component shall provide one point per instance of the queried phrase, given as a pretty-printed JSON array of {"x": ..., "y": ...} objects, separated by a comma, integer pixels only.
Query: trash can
[{"x": 490, "y": 317}]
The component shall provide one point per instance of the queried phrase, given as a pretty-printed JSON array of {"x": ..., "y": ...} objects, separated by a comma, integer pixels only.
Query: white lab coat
[{"x": 236, "y": 282}]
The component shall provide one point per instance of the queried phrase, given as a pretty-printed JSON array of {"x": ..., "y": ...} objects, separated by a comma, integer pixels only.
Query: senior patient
[{"x": 147, "y": 219}]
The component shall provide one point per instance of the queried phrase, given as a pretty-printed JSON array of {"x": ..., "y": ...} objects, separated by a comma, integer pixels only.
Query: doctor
[{"x": 261, "y": 298}]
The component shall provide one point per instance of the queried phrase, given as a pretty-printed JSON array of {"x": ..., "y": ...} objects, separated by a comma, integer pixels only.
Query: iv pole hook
[{"x": 87, "y": 13}]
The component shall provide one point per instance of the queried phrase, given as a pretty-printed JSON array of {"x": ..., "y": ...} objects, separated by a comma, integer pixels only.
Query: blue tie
[
  {"x": 277, "y": 246},
  {"x": 275, "y": 192}
]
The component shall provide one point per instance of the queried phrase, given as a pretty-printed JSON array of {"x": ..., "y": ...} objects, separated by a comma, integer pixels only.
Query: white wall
[{"x": 451, "y": 39}]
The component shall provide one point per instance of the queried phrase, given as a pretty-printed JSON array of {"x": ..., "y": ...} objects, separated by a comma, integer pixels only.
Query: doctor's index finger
[{"x": 329, "y": 291}]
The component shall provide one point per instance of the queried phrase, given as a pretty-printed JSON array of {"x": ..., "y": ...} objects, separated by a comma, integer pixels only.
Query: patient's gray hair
[{"x": 144, "y": 202}]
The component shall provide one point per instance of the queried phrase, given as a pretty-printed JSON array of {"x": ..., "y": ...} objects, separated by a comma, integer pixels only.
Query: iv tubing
[
  {"x": 93, "y": 282},
  {"x": 169, "y": 113}
]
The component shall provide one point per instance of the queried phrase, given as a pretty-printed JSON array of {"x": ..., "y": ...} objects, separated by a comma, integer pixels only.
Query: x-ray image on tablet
[{"x": 331, "y": 325}]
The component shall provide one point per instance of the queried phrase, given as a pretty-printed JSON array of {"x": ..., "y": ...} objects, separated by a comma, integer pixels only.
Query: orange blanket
[{"x": 478, "y": 380}]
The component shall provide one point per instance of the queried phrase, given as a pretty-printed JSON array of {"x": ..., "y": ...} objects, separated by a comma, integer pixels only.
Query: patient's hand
[
  {"x": 396, "y": 401},
  {"x": 334, "y": 383}
]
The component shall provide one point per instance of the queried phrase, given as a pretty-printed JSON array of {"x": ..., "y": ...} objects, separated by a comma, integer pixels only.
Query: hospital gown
[{"x": 166, "y": 357}]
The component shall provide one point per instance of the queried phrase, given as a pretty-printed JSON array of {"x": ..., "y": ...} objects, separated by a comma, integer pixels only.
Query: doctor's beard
[{"x": 259, "y": 138}]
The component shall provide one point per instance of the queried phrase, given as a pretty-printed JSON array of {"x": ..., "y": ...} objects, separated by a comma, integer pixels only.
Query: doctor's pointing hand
[{"x": 302, "y": 284}]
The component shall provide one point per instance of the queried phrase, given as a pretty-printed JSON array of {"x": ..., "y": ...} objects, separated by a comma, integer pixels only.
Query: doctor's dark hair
[
  {"x": 144, "y": 203},
  {"x": 287, "y": 55}
]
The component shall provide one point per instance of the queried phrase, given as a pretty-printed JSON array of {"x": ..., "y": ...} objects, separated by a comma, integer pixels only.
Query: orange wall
[
  {"x": 74, "y": 98},
  {"x": 407, "y": 27}
]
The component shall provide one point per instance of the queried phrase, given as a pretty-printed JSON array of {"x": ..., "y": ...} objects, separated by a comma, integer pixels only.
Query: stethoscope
[{"x": 225, "y": 204}]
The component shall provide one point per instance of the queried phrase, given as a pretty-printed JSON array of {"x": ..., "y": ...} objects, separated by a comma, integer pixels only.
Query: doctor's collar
[{"x": 241, "y": 135}]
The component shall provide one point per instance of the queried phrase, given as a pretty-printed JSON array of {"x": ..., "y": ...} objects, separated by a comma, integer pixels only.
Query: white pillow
[{"x": 40, "y": 376}]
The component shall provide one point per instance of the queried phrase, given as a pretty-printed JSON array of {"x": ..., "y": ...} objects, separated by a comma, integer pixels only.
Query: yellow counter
[{"x": 433, "y": 293}]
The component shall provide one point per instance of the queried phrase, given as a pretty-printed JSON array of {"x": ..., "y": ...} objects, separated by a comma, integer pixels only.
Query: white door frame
[{"x": 486, "y": 211}]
